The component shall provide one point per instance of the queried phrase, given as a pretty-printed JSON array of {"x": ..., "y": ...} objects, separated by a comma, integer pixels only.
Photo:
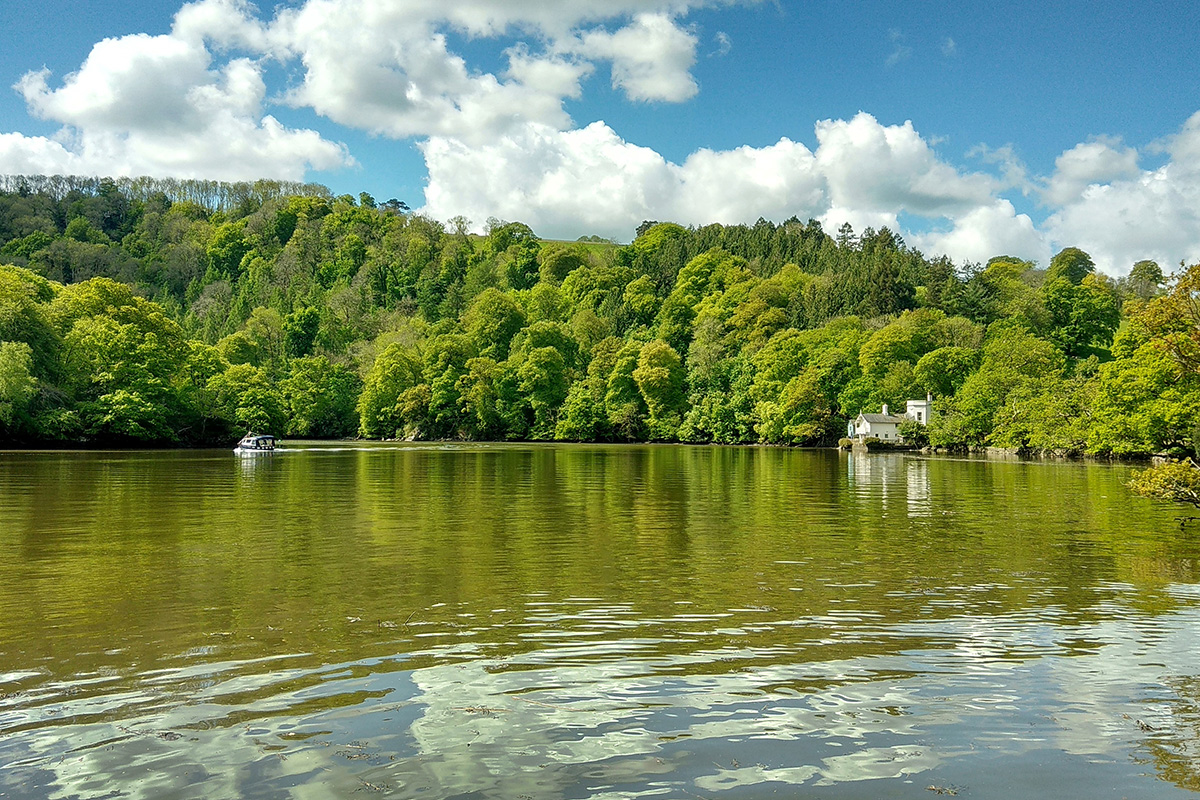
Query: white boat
[{"x": 256, "y": 443}]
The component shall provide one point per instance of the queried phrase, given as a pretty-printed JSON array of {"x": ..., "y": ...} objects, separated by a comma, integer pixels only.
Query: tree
[
  {"x": 543, "y": 379},
  {"x": 320, "y": 399},
  {"x": 16, "y": 383},
  {"x": 1071, "y": 264},
  {"x": 660, "y": 378},
  {"x": 1178, "y": 481},
  {"x": 1013, "y": 360},
  {"x": 300, "y": 331},
  {"x": 1082, "y": 314},
  {"x": 623, "y": 400},
  {"x": 582, "y": 418},
  {"x": 1145, "y": 279},
  {"x": 247, "y": 400},
  {"x": 557, "y": 261},
  {"x": 945, "y": 370},
  {"x": 383, "y": 401},
  {"x": 913, "y": 433},
  {"x": 492, "y": 321}
]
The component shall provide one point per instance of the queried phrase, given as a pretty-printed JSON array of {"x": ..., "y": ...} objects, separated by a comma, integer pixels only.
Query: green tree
[
  {"x": 1146, "y": 279},
  {"x": 248, "y": 400},
  {"x": 582, "y": 418},
  {"x": 943, "y": 371},
  {"x": 383, "y": 403},
  {"x": 543, "y": 376},
  {"x": 622, "y": 399},
  {"x": 16, "y": 383},
  {"x": 300, "y": 331},
  {"x": 1082, "y": 314},
  {"x": 1071, "y": 264},
  {"x": 660, "y": 378},
  {"x": 1013, "y": 360},
  {"x": 321, "y": 399},
  {"x": 492, "y": 321}
]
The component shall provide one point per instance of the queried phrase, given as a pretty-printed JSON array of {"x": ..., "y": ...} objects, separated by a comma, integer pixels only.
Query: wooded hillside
[{"x": 187, "y": 312}]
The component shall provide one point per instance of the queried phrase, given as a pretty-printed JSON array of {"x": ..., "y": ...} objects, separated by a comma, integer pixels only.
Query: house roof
[{"x": 890, "y": 418}]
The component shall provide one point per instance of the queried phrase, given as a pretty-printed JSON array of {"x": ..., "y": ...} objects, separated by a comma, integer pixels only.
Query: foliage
[
  {"x": 913, "y": 433},
  {"x": 185, "y": 311},
  {"x": 1173, "y": 480}
]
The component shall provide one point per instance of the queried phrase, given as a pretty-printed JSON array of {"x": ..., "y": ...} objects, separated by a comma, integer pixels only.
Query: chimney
[{"x": 884, "y": 412}]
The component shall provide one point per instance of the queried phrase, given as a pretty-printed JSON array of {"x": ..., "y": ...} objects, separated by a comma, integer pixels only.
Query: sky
[{"x": 1013, "y": 128}]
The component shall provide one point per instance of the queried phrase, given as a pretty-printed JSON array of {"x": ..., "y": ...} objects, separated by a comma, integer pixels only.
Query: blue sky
[{"x": 1016, "y": 127}]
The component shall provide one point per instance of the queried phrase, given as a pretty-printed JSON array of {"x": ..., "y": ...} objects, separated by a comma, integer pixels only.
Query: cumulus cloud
[
  {"x": 1095, "y": 162},
  {"x": 1121, "y": 213},
  {"x": 988, "y": 230},
  {"x": 651, "y": 58},
  {"x": 386, "y": 66},
  {"x": 225, "y": 23},
  {"x": 155, "y": 105},
  {"x": 877, "y": 168},
  {"x": 864, "y": 172},
  {"x": 191, "y": 102},
  {"x": 563, "y": 181},
  {"x": 37, "y": 155}
]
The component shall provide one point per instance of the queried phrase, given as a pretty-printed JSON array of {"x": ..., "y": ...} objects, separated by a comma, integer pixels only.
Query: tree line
[{"x": 188, "y": 312}]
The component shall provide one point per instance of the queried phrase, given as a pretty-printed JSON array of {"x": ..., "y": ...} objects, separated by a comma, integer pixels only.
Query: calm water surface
[{"x": 492, "y": 621}]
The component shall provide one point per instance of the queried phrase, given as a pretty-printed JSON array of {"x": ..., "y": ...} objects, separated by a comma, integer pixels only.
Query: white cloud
[
  {"x": 154, "y": 105},
  {"x": 1095, "y": 162},
  {"x": 556, "y": 181},
  {"x": 564, "y": 183},
  {"x": 1124, "y": 213},
  {"x": 135, "y": 82},
  {"x": 226, "y": 23},
  {"x": 161, "y": 104},
  {"x": 378, "y": 67},
  {"x": 551, "y": 75},
  {"x": 873, "y": 168},
  {"x": 742, "y": 185},
  {"x": 36, "y": 155},
  {"x": 386, "y": 66},
  {"x": 651, "y": 58},
  {"x": 986, "y": 231},
  {"x": 1014, "y": 173},
  {"x": 724, "y": 44}
]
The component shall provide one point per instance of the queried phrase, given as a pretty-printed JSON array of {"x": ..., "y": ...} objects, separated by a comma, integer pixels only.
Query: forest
[{"x": 162, "y": 312}]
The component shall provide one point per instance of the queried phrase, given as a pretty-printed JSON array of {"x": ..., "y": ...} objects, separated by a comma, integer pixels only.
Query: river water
[{"x": 574, "y": 621}]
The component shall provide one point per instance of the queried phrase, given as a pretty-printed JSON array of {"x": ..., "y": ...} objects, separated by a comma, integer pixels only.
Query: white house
[
  {"x": 919, "y": 409},
  {"x": 885, "y": 426}
]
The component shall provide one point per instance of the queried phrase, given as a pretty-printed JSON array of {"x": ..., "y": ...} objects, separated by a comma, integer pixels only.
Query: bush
[
  {"x": 1173, "y": 480},
  {"x": 913, "y": 433}
]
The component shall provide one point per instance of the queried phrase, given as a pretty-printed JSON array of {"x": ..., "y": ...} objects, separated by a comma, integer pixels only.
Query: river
[{"x": 586, "y": 621}]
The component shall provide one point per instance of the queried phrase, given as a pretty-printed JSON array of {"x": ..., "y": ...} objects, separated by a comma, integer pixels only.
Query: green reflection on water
[{"x": 542, "y": 619}]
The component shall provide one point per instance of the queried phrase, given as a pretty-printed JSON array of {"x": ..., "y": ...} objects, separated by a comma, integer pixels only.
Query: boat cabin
[{"x": 256, "y": 443}]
